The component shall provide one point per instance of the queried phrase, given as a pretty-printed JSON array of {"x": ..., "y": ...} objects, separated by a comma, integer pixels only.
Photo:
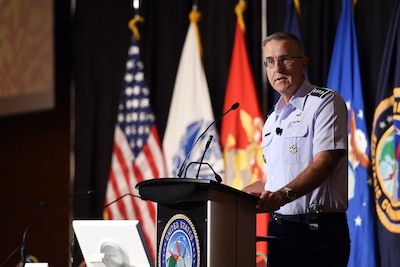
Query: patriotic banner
[
  {"x": 137, "y": 154},
  {"x": 385, "y": 148},
  {"x": 241, "y": 130},
  {"x": 190, "y": 114},
  {"x": 344, "y": 76}
]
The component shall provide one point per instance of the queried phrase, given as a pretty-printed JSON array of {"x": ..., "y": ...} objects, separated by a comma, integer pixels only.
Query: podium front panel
[
  {"x": 196, "y": 211},
  {"x": 225, "y": 226}
]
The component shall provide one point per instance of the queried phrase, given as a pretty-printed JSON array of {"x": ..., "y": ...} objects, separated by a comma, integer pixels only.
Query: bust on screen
[{"x": 112, "y": 243}]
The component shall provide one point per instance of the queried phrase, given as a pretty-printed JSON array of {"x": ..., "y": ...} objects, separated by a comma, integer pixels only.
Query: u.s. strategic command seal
[
  {"x": 385, "y": 154},
  {"x": 179, "y": 244}
]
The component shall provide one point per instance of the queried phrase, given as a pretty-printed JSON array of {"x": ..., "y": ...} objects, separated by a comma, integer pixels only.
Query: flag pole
[
  {"x": 264, "y": 32},
  {"x": 136, "y": 7},
  {"x": 136, "y": 18},
  {"x": 194, "y": 5}
]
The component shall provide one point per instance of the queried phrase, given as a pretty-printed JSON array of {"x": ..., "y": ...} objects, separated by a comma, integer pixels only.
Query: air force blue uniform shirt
[{"x": 294, "y": 133}]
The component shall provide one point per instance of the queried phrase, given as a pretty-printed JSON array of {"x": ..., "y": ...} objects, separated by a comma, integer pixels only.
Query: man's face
[{"x": 287, "y": 66}]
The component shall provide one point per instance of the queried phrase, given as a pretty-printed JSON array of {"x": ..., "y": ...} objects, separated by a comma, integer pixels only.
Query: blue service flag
[
  {"x": 291, "y": 21},
  {"x": 344, "y": 76},
  {"x": 385, "y": 147},
  {"x": 291, "y": 25}
]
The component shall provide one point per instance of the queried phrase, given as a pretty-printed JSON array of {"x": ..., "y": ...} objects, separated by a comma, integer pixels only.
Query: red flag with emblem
[{"x": 241, "y": 130}]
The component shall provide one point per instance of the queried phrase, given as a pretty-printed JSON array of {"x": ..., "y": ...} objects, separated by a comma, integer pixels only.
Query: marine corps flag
[
  {"x": 241, "y": 130},
  {"x": 385, "y": 147},
  {"x": 344, "y": 76}
]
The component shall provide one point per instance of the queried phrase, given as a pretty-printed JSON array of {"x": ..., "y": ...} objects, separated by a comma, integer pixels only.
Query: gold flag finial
[
  {"x": 194, "y": 17},
  {"x": 133, "y": 27},
  {"x": 354, "y": 4},
  {"x": 239, "y": 9},
  {"x": 297, "y": 6}
]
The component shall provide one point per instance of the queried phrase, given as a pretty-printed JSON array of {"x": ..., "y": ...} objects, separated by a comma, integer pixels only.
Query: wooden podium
[{"x": 223, "y": 218}]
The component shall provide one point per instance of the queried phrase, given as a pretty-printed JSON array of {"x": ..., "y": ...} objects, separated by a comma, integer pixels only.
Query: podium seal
[{"x": 179, "y": 243}]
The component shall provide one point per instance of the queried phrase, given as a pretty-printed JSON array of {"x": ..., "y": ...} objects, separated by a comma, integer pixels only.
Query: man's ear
[{"x": 305, "y": 64}]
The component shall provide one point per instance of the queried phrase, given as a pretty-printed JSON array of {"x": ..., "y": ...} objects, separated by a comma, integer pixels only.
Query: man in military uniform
[{"x": 305, "y": 153}]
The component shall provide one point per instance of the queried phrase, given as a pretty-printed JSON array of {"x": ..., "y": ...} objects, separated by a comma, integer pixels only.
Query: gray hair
[{"x": 284, "y": 36}]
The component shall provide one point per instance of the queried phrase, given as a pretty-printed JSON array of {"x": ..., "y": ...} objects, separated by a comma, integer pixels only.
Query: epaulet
[{"x": 320, "y": 92}]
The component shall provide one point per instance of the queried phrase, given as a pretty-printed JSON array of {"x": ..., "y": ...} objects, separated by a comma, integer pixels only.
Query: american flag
[{"x": 137, "y": 154}]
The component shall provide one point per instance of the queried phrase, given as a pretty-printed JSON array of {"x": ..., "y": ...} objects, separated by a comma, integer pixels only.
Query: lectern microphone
[
  {"x": 119, "y": 198},
  {"x": 181, "y": 169},
  {"x": 204, "y": 153},
  {"x": 216, "y": 175},
  {"x": 24, "y": 252}
]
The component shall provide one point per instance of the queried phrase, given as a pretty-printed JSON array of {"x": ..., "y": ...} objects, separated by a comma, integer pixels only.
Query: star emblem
[{"x": 358, "y": 221}]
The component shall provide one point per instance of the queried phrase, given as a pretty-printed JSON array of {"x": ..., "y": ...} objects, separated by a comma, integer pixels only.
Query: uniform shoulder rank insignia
[{"x": 320, "y": 92}]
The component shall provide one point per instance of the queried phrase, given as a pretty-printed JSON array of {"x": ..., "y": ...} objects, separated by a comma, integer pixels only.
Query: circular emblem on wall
[
  {"x": 385, "y": 152},
  {"x": 179, "y": 244}
]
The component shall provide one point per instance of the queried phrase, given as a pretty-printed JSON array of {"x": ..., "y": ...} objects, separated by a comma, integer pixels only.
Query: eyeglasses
[{"x": 285, "y": 60}]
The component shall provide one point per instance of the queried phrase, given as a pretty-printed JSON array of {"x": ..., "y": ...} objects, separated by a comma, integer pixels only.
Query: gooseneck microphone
[
  {"x": 119, "y": 198},
  {"x": 216, "y": 175},
  {"x": 16, "y": 208},
  {"x": 181, "y": 169},
  {"x": 101, "y": 209},
  {"x": 204, "y": 153},
  {"x": 24, "y": 251}
]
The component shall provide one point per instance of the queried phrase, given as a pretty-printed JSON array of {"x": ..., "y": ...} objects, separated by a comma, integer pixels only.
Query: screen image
[{"x": 112, "y": 243}]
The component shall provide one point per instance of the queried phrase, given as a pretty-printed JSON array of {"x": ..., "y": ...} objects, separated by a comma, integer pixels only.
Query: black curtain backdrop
[{"x": 101, "y": 39}]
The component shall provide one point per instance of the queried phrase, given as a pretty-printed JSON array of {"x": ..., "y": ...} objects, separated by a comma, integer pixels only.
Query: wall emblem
[{"x": 384, "y": 155}]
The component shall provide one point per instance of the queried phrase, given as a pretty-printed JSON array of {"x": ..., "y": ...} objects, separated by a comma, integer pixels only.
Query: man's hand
[
  {"x": 271, "y": 201},
  {"x": 255, "y": 188}
]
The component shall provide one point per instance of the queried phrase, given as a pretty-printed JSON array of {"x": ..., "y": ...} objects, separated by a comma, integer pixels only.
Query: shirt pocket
[
  {"x": 266, "y": 145},
  {"x": 297, "y": 142}
]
